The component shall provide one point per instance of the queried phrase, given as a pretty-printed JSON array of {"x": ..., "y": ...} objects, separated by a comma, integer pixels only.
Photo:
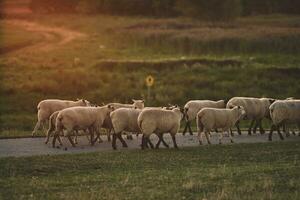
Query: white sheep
[
  {"x": 107, "y": 122},
  {"x": 159, "y": 121},
  {"x": 284, "y": 112},
  {"x": 192, "y": 107},
  {"x": 47, "y": 107},
  {"x": 124, "y": 119},
  {"x": 81, "y": 118},
  {"x": 256, "y": 109},
  {"x": 209, "y": 119},
  {"x": 51, "y": 129}
]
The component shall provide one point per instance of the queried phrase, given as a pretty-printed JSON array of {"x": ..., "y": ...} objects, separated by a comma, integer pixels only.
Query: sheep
[
  {"x": 159, "y": 121},
  {"x": 47, "y": 107},
  {"x": 284, "y": 112},
  {"x": 256, "y": 109},
  {"x": 107, "y": 122},
  {"x": 125, "y": 119},
  {"x": 214, "y": 118},
  {"x": 81, "y": 118},
  {"x": 52, "y": 121},
  {"x": 192, "y": 107}
]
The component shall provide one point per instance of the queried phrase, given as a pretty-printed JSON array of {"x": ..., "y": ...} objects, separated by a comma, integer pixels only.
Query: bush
[{"x": 210, "y": 10}]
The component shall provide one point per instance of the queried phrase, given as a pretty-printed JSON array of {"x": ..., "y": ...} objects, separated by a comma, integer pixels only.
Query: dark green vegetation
[
  {"x": 242, "y": 171},
  {"x": 201, "y": 9}
]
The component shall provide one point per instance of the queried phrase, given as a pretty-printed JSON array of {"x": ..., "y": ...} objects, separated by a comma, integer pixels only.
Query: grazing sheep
[
  {"x": 107, "y": 122},
  {"x": 256, "y": 109},
  {"x": 159, "y": 121},
  {"x": 47, "y": 107},
  {"x": 192, "y": 107},
  {"x": 214, "y": 118},
  {"x": 81, "y": 118},
  {"x": 284, "y": 112}
]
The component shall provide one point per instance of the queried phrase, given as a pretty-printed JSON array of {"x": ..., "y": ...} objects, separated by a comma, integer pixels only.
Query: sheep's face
[
  {"x": 242, "y": 112},
  {"x": 86, "y": 103},
  {"x": 140, "y": 104}
]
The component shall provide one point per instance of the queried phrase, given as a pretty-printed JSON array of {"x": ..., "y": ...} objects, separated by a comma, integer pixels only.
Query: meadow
[
  {"x": 240, "y": 171},
  {"x": 189, "y": 59}
]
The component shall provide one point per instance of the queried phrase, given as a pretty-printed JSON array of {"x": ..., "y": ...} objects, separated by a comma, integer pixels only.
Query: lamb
[
  {"x": 107, "y": 122},
  {"x": 159, "y": 121},
  {"x": 284, "y": 112},
  {"x": 214, "y": 118},
  {"x": 192, "y": 107},
  {"x": 256, "y": 109},
  {"x": 47, "y": 107},
  {"x": 81, "y": 118}
]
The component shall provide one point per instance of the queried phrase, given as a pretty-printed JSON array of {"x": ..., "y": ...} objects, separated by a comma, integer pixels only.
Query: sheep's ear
[
  {"x": 103, "y": 104},
  {"x": 133, "y": 100},
  {"x": 83, "y": 101},
  {"x": 109, "y": 106},
  {"x": 272, "y": 100},
  {"x": 78, "y": 99},
  {"x": 239, "y": 107},
  {"x": 143, "y": 101}
]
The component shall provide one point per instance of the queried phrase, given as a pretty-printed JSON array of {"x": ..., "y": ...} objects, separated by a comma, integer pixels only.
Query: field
[
  {"x": 106, "y": 59},
  {"x": 240, "y": 171},
  {"x": 189, "y": 59}
]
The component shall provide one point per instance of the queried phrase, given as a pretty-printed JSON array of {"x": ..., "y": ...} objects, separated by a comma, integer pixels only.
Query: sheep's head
[
  {"x": 140, "y": 104},
  {"x": 241, "y": 111}
]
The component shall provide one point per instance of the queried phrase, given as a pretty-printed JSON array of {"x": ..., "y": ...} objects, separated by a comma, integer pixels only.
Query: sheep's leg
[
  {"x": 161, "y": 139},
  {"x": 273, "y": 127},
  {"x": 71, "y": 141},
  {"x": 250, "y": 127},
  {"x": 238, "y": 127},
  {"x": 92, "y": 137},
  {"x": 36, "y": 128},
  {"x": 279, "y": 133},
  {"x": 164, "y": 142},
  {"x": 54, "y": 139},
  {"x": 286, "y": 130},
  {"x": 261, "y": 129},
  {"x": 148, "y": 141},
  {"x": 174, "y": 141},
  {"x": 200, "y": 137},
  {"x": 220, "y": 137},
  {"x": 114, "y": 138},
  {"x": 185, "y": 128},
  {"x": 48, "y": 135},
  {"x": 119, "y": 135},
  {"x": 137, "y": 134},
  {"x": 190, "y": 129},
  {"x": 59, "y": 140},
  {"x": 255, "y": 127},
  {"x": 143, "y": 146},
  {"x": 75, "y": 137},
  {"x": 230, "y": 136},
  {"x": 231, "y": 132},
  {"x": 108, "y": 131},
  {"x": 129, "y": 136},
  {"x": 207, "y": 136}
]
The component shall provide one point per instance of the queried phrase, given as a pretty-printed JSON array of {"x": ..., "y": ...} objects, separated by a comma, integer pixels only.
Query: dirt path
[
  {"x": 53, "y": 37},
  {"x": 36, "y": 146}
]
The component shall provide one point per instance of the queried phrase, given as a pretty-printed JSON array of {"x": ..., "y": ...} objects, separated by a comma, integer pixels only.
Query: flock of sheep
[{"x": 66, "y": 118}]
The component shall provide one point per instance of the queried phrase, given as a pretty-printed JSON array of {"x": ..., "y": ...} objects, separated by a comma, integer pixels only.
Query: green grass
[{"x": 241, "y": 171}]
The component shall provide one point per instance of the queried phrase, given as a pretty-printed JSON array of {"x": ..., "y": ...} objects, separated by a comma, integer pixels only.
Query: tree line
[{"x": 201, "y": 9}]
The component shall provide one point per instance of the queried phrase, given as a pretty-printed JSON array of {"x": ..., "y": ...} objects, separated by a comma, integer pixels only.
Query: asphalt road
[{"x": 36, "y": 146}]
